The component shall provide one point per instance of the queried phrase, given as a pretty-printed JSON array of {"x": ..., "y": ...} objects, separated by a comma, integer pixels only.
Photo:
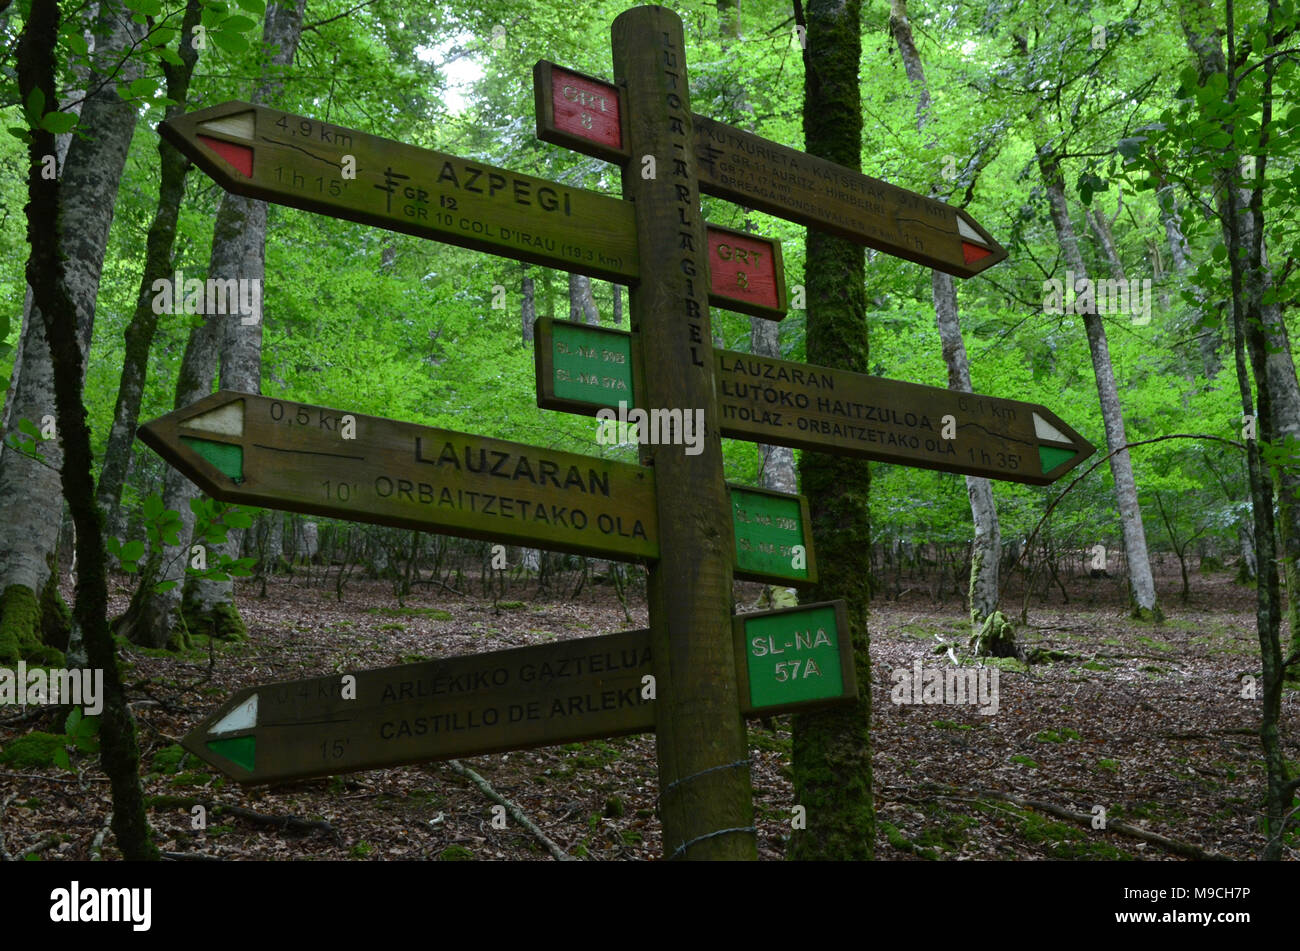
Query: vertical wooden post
[{"x": 705, "y": 801}]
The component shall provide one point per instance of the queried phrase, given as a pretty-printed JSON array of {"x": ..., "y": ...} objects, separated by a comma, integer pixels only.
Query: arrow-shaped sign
[
  {"x": 244, "y": 448},
  {"x": 507, "y": 700},
  {"x": 239, "y": 447},
  {"x": 587, "y": 114},
  {"x": 758, "y": 173},
  {"x": 303, "y": 163},
  {"x": 276, "y": 156},
  {"x": 582, "y": 369}
]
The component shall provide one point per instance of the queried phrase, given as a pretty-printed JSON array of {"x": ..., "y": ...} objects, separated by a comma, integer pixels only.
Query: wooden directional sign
[
  {"x": 783, "y": 403},
  {"x": 503, "y": 700},
  {"x": 292, "y": 160},
  {"x": 239, "y": 447},
  {"x": 758, "y": 173},
  {"x": 583, "y": 368},
  {"x": 794, "y": 404}
]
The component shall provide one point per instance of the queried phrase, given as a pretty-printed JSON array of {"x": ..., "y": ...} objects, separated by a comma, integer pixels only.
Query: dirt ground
[{"x": 1147, "y": 722}]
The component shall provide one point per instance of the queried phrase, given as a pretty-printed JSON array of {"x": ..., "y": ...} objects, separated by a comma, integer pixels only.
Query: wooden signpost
[
  {"x": 260, "y": 152},
  {"x": 291, "y": 160},
  {"x": 255, "y": 450},
  {"x": 783, "y": 403},
  {"x": 674, "y": 512},
  {"x": 514, "y": 699},
  {"x": 758, "y": 173}
]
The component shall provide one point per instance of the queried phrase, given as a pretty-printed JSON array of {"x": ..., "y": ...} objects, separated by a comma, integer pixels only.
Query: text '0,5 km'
[{"x": 239, "y": 447}]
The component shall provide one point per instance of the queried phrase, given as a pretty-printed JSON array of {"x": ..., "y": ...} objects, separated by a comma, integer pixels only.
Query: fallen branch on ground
[
  {"x": 97, "y": 843},
  {"x": 486, "y": 788},
  {"x": 1185, "y": 849}
]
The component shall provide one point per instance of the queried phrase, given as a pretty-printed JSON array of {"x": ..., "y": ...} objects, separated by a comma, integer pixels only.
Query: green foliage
[
  {"x": 38, "y": 750},
  {"x": 162, "y": 526}
]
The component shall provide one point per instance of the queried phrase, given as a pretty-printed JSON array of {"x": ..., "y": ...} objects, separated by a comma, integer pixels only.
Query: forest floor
[{"x": 1146, "y": 721}]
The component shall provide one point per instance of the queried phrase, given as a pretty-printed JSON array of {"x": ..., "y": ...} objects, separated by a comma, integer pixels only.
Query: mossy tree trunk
[
  {"x": 30, "y": 501},
  {"x": 158, "y": 266},
  {"x": 46, "y": 275},
  {"x": 832, "y": 749}
]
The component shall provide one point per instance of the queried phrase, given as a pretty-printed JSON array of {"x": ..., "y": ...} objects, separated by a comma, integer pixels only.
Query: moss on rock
[{"x": 222, "y": 621}]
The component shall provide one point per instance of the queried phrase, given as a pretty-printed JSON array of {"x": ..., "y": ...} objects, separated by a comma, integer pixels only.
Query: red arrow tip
[
  {"x": 973, "y": 252},
  {"x": 240, "y": 156}
]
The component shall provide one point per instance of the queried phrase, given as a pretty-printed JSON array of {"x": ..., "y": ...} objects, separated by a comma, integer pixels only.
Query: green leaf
[
  {"x": 142, "y": 88},
  {"x": 77, "y": 44},
  {"x": 27, "y": 426},
  {"x": 35, "y": 106},
  {"x": 61, "y": 759},
  {"x": 163, "y": 587},
  {"x": 132, "y": 550},
  {"x": 153, "y": 506},
  {"x": 252, "y": 6},
  {"x": 71, "y": 723},
  {"x": 58, "y": 122},
  {"x": 169, "y": 55},
  {"x": 237, "y": 519},
  {"x": 242, "y": 24},
  {"x": 230, "y": 42},
  {"x": 21, "y": 134}
]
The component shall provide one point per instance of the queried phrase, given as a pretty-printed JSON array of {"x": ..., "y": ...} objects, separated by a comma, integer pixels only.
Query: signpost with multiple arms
[{"x": 697, "y": 671}]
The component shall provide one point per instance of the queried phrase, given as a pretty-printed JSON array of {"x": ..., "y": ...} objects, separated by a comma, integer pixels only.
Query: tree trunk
[
  {"x": 1209, "y": 338},
  {"x": 1204, "y": 39},
  {"x": 54, "y": 295},
  {"x": 831, "y": 759},
  {"x": 1141, "y": 584},
  {"x": 992, "y": 633},
  {"x": 30, "y": 501},
  {"x": 158, "y": 266},
  {"x": 617, "y": 291},
  {"x": 240, "y": 254},
  {"x": 238, "y": 247},
  {"x": 527, "y": 311},
  {"x": 1106, "y": 238},
  {"x": 776, "y": 463},
  {"x": 582, "y": 306}
]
